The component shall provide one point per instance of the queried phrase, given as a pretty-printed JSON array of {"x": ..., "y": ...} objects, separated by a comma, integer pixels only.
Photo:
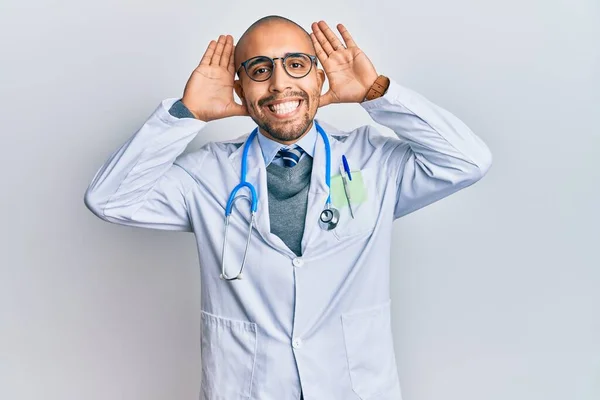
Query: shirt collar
[{"x": 270, "y": 147}]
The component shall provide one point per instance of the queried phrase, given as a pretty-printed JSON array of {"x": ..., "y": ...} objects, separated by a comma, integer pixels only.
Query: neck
[{"x": 285, "y": 142}]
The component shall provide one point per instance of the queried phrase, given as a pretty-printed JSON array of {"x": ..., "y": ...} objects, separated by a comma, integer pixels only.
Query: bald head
[
  {"x": 296, "y": 98},
  {"x": 273, "y": 21}
]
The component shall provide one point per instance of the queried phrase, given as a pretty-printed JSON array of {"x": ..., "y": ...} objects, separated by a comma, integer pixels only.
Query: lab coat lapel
[
  {"x": 257, "y": 175},
  {"x": 318, "y": 192}
]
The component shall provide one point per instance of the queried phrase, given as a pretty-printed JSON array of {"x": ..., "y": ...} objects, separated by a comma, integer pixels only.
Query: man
[{"x": 311, "y": 316}]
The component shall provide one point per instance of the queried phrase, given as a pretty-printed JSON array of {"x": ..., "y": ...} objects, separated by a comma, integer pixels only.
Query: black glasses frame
[{"x": 313, "y": 59}]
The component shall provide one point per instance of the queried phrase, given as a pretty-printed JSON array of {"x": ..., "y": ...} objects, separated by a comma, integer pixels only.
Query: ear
[{"x": 237, "y": 86}]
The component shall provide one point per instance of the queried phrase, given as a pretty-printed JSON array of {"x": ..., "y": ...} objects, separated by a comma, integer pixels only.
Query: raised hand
[
  {"x": 348, "y": 69},
  {"x": 208, "y": 93}
]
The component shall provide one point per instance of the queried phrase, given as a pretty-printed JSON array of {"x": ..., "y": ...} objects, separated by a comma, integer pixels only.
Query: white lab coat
[{"x": 320, "y": 322}]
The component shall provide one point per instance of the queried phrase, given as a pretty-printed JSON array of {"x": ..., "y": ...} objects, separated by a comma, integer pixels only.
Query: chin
[
  {"x": 288, "y": 132},
  {"x": 285, "y": 130}
]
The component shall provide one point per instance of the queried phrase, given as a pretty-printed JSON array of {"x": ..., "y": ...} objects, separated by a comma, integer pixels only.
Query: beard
[{"x": 286, "y": 131}]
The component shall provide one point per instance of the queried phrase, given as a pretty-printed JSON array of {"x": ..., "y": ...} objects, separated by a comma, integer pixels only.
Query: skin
[
  {"x": 209, "y": 91},
  {"x": 275, "y": 39}
]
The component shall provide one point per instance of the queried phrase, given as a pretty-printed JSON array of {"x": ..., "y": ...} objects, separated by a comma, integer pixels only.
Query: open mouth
[{"x": 285, "y": 109}]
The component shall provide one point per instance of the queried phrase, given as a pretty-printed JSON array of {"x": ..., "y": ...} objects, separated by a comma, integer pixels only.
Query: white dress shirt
[{"x": 270, "y": 147}]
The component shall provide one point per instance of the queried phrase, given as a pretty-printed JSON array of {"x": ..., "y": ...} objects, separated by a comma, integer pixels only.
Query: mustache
[{"x": 303, "y": 95}]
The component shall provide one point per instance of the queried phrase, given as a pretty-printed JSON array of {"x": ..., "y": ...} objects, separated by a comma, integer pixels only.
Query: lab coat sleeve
[
  {"x": 140, "y": 184},
  {"x": 435, "y": 154}
]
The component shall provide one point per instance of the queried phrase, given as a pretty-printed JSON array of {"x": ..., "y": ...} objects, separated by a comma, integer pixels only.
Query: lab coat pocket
[
  {"x": 370, "y": 351},
  {"x": 363, "y": 199},
  {"x": 228, "y": 351}
]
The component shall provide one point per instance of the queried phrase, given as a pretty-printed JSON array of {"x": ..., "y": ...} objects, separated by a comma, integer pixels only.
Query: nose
[{"x": 280, "y": 81}]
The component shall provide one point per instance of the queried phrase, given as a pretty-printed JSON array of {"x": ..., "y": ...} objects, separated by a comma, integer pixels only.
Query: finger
[
  {"x": 322, "y": 39},
  {"x": 321, "y": 55},
  {"x": 216, "y": 58},
  {"x": 346, "y": 36},
  {"x": 208, "y": 53},
  {"x": 331, "y": 36},
  {"x": 230, "y": 65},
  {"x": 224, "y": 61}
]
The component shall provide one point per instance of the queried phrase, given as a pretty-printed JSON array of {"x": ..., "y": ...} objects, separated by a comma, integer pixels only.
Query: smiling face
[{"x": 283, "y": 107}]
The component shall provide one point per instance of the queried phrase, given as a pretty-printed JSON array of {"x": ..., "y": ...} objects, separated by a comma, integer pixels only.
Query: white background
[{"x": 495, "y": 289}]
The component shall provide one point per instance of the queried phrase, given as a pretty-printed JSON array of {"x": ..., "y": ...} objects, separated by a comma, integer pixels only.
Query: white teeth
[{"x": 284, "y": 108}]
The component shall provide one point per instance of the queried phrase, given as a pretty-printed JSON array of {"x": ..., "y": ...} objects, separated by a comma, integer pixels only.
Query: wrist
[
  {"x": 186, "y": 104},
  {"x": 180, "y": 110},
  {"x": 378, "y": 88}
]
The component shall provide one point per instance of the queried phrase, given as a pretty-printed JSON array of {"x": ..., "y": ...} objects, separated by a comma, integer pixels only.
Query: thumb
[
  {"x": 326, "y": 99},
  {"x": 238, "y": 110}
]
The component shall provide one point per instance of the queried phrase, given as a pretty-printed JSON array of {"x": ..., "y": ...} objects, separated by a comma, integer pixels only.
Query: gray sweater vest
[{"x": 288, "y": 198}]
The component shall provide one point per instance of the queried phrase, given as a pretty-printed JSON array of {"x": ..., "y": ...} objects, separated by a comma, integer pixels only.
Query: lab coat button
[
  {"x": 298, "y": 262},
  {"x": 297, "y": 343}
]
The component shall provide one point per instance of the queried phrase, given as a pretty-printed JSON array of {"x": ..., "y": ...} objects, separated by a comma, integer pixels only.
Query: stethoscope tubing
[
  {"x": 253, "y": 199},
  {"x": 254, "y": 196}
]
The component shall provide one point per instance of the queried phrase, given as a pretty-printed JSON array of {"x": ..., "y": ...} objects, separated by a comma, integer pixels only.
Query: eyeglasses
[{"x": 260, "y": 68}]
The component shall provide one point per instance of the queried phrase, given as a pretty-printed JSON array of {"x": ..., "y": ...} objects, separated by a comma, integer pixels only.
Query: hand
[
  {"x": 208, "y": 93},
  {"x": 348, "y": 69}
]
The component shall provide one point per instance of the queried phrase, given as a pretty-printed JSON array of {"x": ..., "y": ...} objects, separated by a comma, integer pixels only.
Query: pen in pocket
[
  {"x": 343, "y": 173},
  {"x": 346, "y": 166}
]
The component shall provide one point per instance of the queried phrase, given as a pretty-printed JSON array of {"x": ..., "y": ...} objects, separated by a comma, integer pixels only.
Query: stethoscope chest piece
[{"x": 329, "y": 218}]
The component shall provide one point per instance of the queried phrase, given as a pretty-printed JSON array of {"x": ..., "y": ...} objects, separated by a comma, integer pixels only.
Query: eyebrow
[{"x": 255, "y": 61}]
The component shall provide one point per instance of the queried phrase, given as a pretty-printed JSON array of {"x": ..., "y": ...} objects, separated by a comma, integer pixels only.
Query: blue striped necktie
[{"x": 290, "y": 156}]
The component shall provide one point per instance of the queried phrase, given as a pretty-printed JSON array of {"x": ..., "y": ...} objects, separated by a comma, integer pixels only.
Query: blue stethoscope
[{"x": 328, "y": 218}]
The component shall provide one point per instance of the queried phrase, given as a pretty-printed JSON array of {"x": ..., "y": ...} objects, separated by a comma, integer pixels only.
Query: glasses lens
[
  {"x": 298, "y": 65},
  {"x": 259, "y": 68}
]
